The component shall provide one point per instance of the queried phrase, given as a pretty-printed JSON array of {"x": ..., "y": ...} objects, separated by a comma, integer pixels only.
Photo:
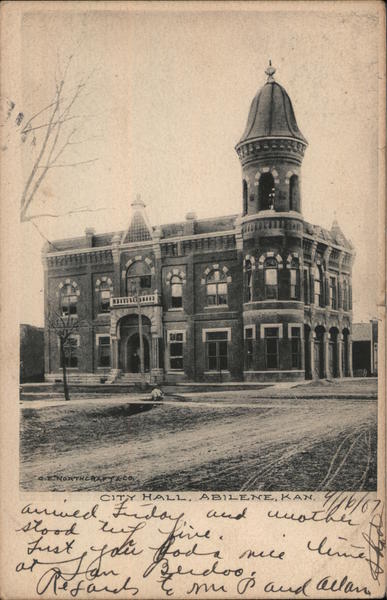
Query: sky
[{"x": 167, "y": 100}]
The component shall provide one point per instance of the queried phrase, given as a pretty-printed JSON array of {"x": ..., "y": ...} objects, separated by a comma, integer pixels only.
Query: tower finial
[
  {"x": 138, "y": 201},
  {"x": 270, "y": 72}
]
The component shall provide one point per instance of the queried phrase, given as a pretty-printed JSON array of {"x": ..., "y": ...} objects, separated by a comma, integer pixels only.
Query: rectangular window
[
  {"x": 217, "y": 347},
  {"x": 345, "y": 295},
  {"x": 176, "y": 295},
  {"x": 249, "y": 286},
  {"x": 317, "y": 292},
  {"x": 306, "y": 286},
  {"x": 145, "y": 282},
  {"x": 333, "y": 293},
  {"x": 271, "y": 347},
  {"x": 69, "y": 305},
  {"x": 104, "y": 351},
  {"x": 211, "y": 294},
  {"x": 176, "y": 350},
  {"x": 294, "y": 284},
  {"x": 296, "y": 347},
  {"x": 249, "y": 350},
  {"x": 177, "y": 302},
  {"x": 70, "y": 353},
  {"x": 104, "y": 305},
  {"x": 271, "y": 280},
  {"x": 222, "y": 293}
]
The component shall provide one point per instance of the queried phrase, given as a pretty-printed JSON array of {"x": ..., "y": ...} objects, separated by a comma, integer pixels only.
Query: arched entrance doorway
[
  {"x": 333, "y": 352},
  {"x": 319, "y": 352},
  {"x": 129, "y": 349},
  {"x": 133, "y": 354},
  {"x": 307, "y": 346},
  {"x": 345, "y": 353}
]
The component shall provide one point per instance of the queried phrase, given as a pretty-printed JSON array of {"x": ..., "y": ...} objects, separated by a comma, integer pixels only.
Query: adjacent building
[
  {"x": 258, "y": 295},
  {"x": 365, "y": 348},
  {"x": 31, "y": 353}
]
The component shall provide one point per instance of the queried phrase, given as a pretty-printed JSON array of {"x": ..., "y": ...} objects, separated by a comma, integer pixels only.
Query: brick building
[
  {"x": 31, "y": 353},
  {"x": 259, "y": 295}
]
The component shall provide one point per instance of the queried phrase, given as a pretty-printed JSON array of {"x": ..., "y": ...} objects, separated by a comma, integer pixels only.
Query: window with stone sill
[
  {"x": 176, "y": 350},
  {"x": 104, "y": 298},
  {"x": 345, "y": 295},
  {"x": 294, "y": 280},
  {"x": 70, "y": 353},
  {"x": 216, "y": 288},
  {"x": 271, "y": 278},
  {"x": 266, "y": 192},
  {"x": 138, "y": 279},
  {"x": 176, "y": 292},
  {"x": 217, "y": 350},
  {"x": 69, "y": 300},
  {"x": 295, "y": 333},
  {"x": 245, "y": 195},
  {"x": 317, "y": 272},
  {"x": 293, "y": 192},
  {"x": 104, "y": 351},
  {"x": 271, "y": 347},
  {"x": 333, "y": 293},
  {"x": 249, "y": 281},
  {"x": 306, "y": 285},
  {"x": 249, "y": 350}
]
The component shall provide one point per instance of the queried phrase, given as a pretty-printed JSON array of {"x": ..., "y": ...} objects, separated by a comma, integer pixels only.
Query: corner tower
[{"x": 271, "y": 151}]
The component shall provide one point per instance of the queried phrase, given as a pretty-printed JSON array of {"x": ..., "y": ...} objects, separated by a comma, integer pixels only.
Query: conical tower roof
[{"x": 271, "y": 113}]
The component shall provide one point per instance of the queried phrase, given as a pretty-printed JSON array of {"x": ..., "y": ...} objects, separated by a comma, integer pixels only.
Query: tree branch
[
  {"x": 81, "y": 162},
  {"x": 55, "y": 123},
  {"x": 25, "y": 202},
  {"x": 51, "y": 145},
  {"x": 43, "y": 236},
  {"x": 65, "y": 214}
]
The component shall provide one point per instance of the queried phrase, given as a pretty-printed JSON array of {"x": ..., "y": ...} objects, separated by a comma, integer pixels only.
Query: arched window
[
  {"x": 216, "y": 284},
  {"x": 245, "y": 196},
  {"x": 294, "y": 280},
  {"x": 176, "y": 292},
  {"x": 249, "y": 280},
  {"x": 333, "y": 293},
  {"x": 69, "y": 299},
  {"x": 293, "y": 193},
  {"x": 266, "y": 192},
  {"x": 306, "y": 285},
  {"x": 345, "y": 295},
  {"x": 317, "y": 273},
  {"x": 138, "y": 279},
  {"x": 104, "y": 297},
  {"x": 271, "y": 278}
]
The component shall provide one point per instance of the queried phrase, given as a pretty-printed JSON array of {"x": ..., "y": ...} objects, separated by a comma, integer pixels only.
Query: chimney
[
  {"x": 189, "y": 225},
  {"x": 89, "y": 233}
]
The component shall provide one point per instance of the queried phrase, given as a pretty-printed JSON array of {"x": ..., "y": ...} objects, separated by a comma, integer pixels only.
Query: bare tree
[
  {"x": 48, "y": 135},
  {"x": 64, "y": 325}
]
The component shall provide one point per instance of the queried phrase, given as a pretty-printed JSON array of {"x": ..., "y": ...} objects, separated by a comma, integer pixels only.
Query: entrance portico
[{"x": 124, "y": 331}]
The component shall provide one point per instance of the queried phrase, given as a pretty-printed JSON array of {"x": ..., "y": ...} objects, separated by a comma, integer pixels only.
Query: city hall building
[{"x": 261, "y": 295}]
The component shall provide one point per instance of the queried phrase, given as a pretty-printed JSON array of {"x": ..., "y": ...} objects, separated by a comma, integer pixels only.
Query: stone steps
[{"x": 132, "y": 378}]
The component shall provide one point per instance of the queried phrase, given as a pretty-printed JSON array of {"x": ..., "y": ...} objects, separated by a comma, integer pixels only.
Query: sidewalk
[{"x": 349, "y": 389}]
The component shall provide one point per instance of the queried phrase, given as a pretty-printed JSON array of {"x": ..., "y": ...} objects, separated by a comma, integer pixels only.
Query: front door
[{"x": 133, "y": 354}]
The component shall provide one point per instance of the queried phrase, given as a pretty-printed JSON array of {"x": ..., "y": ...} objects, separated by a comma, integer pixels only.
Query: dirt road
[{"x": 237, "y": 443}]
